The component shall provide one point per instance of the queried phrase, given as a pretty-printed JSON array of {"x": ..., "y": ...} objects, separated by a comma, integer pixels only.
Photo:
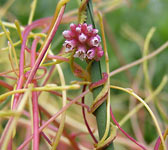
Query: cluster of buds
[{"x": 84, "y": 40}]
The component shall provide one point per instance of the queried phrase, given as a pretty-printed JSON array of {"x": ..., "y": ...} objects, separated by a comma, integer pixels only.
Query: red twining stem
[
  {"x": 84, "y": 117},
  {"x": 100, "y": 82}
]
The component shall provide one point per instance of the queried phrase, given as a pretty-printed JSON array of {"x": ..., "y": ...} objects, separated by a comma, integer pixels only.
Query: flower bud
[
  {"x": 67, "y": 34},
  {"x": 95, "y": 31},
  {"x": 73, "y": 27},
  {"x": 99, "y": 53},
  {"x": 80, "y": 53},
  {"x": 91, "y": 53},
  {"x": 89, "y": 28},
  {"x": 69, "y": 45},
  {"x": 95, "y": 41},
  {"x": 84, "y": 28},
  {"x": 78, "y": 29},
  {"x": 82, "y": 38}
]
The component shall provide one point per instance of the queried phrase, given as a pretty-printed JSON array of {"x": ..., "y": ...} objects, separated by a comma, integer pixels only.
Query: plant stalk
[{"x": 96, "y": 75}]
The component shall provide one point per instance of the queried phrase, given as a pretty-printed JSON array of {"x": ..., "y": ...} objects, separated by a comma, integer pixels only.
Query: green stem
[{"x": 96, "y": 75}]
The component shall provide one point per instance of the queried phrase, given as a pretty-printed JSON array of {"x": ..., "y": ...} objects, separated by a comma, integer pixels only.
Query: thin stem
[
  {"x": 13, "y": 121},
  {"x": 158, "y": 142},
  {"x": 35, "y": 101},
  {"x": 11, "y": 60},
  {"x": 147, "y": 100},
  {"x": 115, "y": 47},
  {"x": 14, "y": 44},
  {"x": 45, "y": 47},
  {"x": 145, "y": 63},
  {"x": 73, "y": 142},
  {"x": 11, "y": 42},
  {"x": 35, "y": 24},
  {"x": 84, "y": 117},
  {"x": 35, "y": 121},
  {"x": 53, "y": 118},
  {"x": 107, "y": 130},
  {"x": 63, "y": 116},
  {"x": 6, "y": 85},
  {"x": 25, "y": 34},
  {"x": 139, "y": 61},
  {"x": 148, "y": 108},
  {"x": 46, "y": 138},
  {"x": 132, "y": 139},
  {"x": 45, "y": 88},
  {"x": 6, "y": 7},
  {"x": 69, "y": 99},
  {"x": 102, "y": 112},
  {"x": 33, "y": 7},
  {"x": 18, "y": 28}
]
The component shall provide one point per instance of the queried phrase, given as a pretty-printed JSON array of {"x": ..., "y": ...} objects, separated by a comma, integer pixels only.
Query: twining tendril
[{"x": 100, "y": 82}]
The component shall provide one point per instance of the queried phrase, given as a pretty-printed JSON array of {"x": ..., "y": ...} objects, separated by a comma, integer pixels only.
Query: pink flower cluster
[{"x": 84, "y": 40}]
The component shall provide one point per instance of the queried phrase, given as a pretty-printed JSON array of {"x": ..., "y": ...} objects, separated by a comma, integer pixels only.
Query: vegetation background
[{"x": 126, "y": 27}]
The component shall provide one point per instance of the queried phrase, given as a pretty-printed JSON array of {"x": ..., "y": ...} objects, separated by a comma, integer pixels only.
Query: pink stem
[
  {"x": 84, "y": 117},
  {"x": 33, "y": 51},
  {"x": 25, "y": 34},
  {"x": 35, "y": 121},
  {"x": 28, "y": 133},
  {"x": 6, "y": 85},
  {"x": 10, "y": 144},
  {"x": 33, "y": 71},
  {"x": 21, "y": 69},
  {"x": 46, "y": 138},
  {"x": 69, "y": 99},
  {"x": 19, "y": 86},
  {"x": 100, "y": 82},
  {"x": 5, "y": 131},
  {"x": 51, "y": 56},
  {"x": 48, "y": 76},
  {"x": 6, "y": 76},
  {"x": 132, "y": 139},
  {"x": 53, "y": 118},
  {"x": 35, "y": 100},
  {"x": 158, "y": 142},
  {"x": 41, "y": 76},
  {"x": 72, "y": 141},
  {"x": 57, "y": 93},
  {"x": 42, "y": 54}
]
